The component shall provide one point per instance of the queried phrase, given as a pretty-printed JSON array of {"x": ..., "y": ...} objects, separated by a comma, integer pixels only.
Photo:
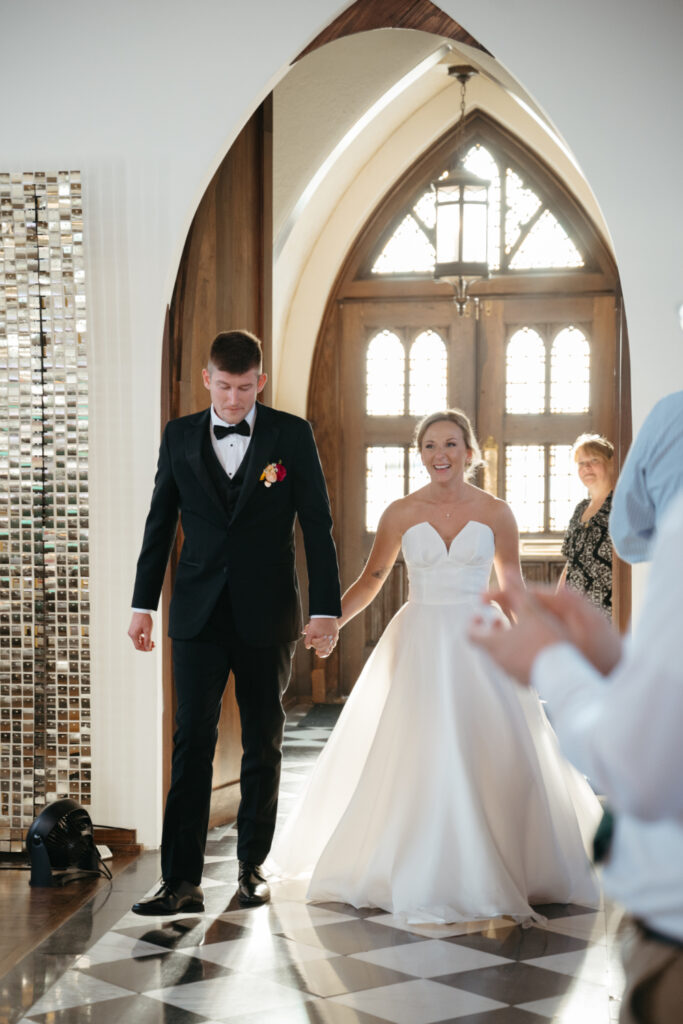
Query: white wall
[{"x": 146, "y": 97}]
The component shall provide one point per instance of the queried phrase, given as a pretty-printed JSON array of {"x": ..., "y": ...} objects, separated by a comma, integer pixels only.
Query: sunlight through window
[
  {"x": 408, "y": 251},
  {"x": 428, "y": 374},
  {"x": 417, "y": 474},
  {"x": 546, "y": 246},
  {"x": 570, "y": 371},
  {"x": 525, "y": 485},
  {"x": 566, "y": 490},
  {"x": 384, "y": 481},
  {"x": 425, "y": 209},
  {"x": 385, "y": 376},
  {"x": 522, "y": 204},
  {"x": 525, "y": 372}
]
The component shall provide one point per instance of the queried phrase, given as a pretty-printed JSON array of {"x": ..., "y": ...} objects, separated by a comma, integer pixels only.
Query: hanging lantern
[{"x": 462, "y": 206}]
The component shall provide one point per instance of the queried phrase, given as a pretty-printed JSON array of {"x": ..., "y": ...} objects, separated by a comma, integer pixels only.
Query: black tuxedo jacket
[{"x": 252, "y": 551}]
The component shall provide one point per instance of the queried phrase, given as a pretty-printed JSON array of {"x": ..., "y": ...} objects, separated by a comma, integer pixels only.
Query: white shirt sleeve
[{"x": 625, "y": 731}]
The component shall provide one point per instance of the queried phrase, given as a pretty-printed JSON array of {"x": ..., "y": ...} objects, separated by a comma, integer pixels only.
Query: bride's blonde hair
[{"x": 460, "y": 419}]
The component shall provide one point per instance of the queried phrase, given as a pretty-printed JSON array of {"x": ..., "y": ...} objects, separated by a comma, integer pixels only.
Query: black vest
[{"x": 227, "y": 488}]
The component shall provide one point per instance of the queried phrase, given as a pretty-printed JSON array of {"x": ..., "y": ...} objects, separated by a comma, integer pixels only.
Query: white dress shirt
[
  {"x": 625, "y": 732},
  {"x": 231, "y": 450},
  {"x": 651, "y": 476}
]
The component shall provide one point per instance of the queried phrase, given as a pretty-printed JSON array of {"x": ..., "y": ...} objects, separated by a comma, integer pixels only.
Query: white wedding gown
[{"x": 441, "y": 794}]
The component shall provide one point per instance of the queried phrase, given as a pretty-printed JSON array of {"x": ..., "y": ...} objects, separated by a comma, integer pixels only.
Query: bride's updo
[{"x": 461, "y": 420}]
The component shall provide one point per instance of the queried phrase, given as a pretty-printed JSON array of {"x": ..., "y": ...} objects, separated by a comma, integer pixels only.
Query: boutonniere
[{"x": 273, "y": 473}]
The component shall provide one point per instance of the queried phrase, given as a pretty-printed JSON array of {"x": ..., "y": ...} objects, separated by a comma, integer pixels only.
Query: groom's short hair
[{"x": 236, "y": 352}]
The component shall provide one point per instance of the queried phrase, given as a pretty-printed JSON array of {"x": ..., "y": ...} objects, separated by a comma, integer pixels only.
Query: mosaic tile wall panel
[{"x": 44, "y": 601}]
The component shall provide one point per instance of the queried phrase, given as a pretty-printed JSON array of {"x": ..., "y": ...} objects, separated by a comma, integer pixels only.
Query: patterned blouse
[{"x": 588, "y": 550}]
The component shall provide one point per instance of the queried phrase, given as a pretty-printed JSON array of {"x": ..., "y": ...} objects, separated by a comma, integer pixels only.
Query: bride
[{"x": 441, "y": 794}]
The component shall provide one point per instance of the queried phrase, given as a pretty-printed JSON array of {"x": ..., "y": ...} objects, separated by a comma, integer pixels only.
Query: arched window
[
  {"x": 525, "y": 372},
  {"x": 570, "y": 360},
  {"x": 384, "y": 376},
  {"x": 531, "y": 363},
  {"x": 545, "y": 505},
  {"x": 427, "y": 385},
  {"x": 524, "y": 233}
]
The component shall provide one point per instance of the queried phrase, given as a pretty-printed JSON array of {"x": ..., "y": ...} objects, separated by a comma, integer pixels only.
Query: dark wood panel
[
  {"x": 365, "y": 15},
  {"x": 528, "y": 285},
  {"x": 542, "y": 571},
  {"x": 621, "y": 573},
  {"x": 223, "y": 282}
]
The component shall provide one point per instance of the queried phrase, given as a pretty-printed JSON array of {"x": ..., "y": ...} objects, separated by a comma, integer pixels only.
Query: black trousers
[{"x": 201, "y": 667}]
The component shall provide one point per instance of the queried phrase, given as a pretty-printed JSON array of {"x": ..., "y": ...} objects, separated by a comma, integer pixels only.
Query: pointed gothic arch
[{"x": 546, "y": 299}]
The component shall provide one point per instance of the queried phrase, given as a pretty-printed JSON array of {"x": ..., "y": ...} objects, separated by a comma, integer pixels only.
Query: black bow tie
[{"x": 239, "y": 428}]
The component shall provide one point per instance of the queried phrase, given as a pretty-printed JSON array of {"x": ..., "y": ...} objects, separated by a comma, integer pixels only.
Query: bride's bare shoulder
[
  {"x": 492, "y": 510},
  {"x": 401, "y": 514}
]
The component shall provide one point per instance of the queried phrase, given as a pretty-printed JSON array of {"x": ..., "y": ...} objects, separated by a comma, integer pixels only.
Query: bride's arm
[
  {"x": 506, "y": 557},
  {"x": 378, "y": 566}
]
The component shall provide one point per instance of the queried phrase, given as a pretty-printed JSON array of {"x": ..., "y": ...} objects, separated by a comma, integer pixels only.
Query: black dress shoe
[
  {"x": 171, "y": 898},
  {"x": 252, "y": 888}
]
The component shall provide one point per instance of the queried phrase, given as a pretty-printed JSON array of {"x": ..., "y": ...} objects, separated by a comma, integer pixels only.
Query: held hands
[
  {"x": 140, "y": 631},
  {"x": 321, "y": 634}
]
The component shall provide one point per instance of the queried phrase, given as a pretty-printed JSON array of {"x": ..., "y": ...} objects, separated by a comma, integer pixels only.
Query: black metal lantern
[{"x": 462, "y": 206}]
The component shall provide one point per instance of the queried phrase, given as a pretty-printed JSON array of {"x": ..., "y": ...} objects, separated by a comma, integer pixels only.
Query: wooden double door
[{"x": 377, "y": 460}]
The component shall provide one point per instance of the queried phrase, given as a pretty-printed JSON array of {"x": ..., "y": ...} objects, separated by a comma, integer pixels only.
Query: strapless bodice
[{"x": 441, "y": 575}]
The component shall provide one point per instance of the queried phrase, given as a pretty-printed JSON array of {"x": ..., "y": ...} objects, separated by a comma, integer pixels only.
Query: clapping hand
[{"x": 543, "y": 618}]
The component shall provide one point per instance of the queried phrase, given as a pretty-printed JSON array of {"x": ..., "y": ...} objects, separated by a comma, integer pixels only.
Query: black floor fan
[{"x": 61, "y": 846}]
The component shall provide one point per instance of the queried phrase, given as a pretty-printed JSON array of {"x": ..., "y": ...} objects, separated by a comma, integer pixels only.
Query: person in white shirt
[{"x": 617, "y": 709}]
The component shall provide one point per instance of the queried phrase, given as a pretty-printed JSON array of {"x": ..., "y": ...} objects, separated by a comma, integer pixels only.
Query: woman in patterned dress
[{"x": 587, "y": 545}]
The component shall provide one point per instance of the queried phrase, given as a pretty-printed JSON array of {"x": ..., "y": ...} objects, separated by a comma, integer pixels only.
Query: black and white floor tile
[{"x": 295, "y": 963}]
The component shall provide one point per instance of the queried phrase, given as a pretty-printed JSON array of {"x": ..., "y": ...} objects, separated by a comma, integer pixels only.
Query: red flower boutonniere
[{"x": 273, "y": 473}]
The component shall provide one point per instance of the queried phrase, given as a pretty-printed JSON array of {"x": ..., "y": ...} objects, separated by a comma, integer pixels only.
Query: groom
[{"x": 237, "y": 474}]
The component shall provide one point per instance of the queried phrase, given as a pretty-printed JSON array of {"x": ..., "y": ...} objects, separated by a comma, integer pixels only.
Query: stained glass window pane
[
  {"x": 385, "y": 375},
  {"x": 408, "y": 251},
  {"x": 384, "y": 481},
  {"x": 566, "y": 490},
  {"x": 521, "y": 204},
  {"x": 525, "y": 372},
  {"x": 480, "y": 162},
  {"x": 425, "y": 209},
  {"x": 570, "y": 371},
  {"x": 418, "y": 475},
  {"x": 428, "y": 374},
  {"x": 525, "y": 485},
  {"x": 547, "y": 245}
]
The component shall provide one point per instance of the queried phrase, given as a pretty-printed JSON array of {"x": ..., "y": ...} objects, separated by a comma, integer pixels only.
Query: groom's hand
[
  {"x": 140, "y": 631},
  {"x": 321, "y": 634}
]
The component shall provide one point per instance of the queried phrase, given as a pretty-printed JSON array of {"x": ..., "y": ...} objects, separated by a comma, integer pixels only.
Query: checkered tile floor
[{"x": 294, "y": 963}]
